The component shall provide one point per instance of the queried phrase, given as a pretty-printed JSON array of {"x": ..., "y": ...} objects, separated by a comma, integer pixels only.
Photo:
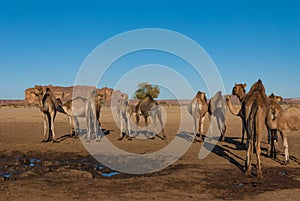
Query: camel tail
[{"x": 251, "y": 120}]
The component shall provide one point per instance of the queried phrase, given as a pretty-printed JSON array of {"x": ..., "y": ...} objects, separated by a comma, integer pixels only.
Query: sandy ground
[{"x": 31, "y": 170}]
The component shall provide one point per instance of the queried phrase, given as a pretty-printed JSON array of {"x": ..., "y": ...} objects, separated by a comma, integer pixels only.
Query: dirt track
[{"x": 31, "y": 170}]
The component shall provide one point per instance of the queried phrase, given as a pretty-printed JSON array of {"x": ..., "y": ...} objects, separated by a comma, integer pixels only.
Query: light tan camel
[
  {"x": 91, "y": 116},
  {"x": 285, "y": 121},
  {"x": 149, "y": 107},
  {"x": 198, "y": 109},
  {"x": 272, "y": 133},
  {"x": 124, "y": 111},
  {"x": 48, "y": 108},
  {"x": 217, "y": 108},
  {"x": 78, "y": 107},
  {"x": 80, "y": 104},
  {"x": 240, "y": 91}
]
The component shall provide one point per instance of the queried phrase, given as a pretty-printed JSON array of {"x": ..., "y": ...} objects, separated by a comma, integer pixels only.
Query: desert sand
[{"x": 31, "y": 170}]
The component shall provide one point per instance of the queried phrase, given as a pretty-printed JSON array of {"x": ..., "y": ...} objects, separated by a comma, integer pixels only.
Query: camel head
[
  {"x": 277, "y": 98},
  {"x": 239, "y": 89},
  {"x": 101, "y": 98},
  {"x": 201, "y": 96},
  {"x": 37, "y": 90},
  {"x": 124, "y": 96}
]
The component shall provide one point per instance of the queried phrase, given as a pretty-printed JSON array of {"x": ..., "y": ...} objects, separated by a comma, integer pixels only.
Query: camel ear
[{"x": 244, "y": 85}]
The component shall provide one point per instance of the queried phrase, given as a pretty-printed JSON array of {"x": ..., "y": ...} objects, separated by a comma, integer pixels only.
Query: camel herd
[{"x": 257, "y": 111}]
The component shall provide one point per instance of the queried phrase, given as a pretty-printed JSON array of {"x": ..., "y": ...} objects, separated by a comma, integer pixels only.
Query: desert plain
[{"x": 32, "y": 170}]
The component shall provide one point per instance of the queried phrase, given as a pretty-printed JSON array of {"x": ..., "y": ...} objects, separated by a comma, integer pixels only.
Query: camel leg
[
  {"x": 49, "y": 127},
  {"x": 152, "y": 127},
  {"x": 223, "y": 131},
  {"x": 200, "y": 127},
  {"x": 195, "y": 127},
  {"x": 88, "y": 128},
  {"x": 258, "y": 151},
  {"x": 243, "y": 131},
  {"x": 285, "y": 146},
  {"x": 45, "y": 120},
  {"x": 52, "y": 116},
  {"x": 71, "y": 125},
  {"x": 76, "y": 126},
  {"x": 161, "y": 123},
  {"x": 97, "y": 129},
  {"x": 270, "y": 143},
  {"x": 128, "y": 125},
  {"x": 137, "y": 118},
  {"x": 121, "y": 129},
  {"x": 148, "y": 132},
  {"x": 249, "y": 145}
]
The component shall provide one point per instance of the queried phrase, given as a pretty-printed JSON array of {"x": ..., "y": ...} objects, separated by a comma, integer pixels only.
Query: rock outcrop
[{"x": 66, "y": 93}]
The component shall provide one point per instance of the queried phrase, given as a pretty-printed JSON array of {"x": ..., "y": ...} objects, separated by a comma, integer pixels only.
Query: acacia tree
[{"x": 146, "y": 88}]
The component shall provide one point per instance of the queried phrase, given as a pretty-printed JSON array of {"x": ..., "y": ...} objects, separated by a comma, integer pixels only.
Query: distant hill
[{"x": 65, "y": 93}]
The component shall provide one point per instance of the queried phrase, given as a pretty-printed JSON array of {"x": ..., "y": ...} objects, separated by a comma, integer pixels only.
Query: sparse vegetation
[{"x": 146, "y": 88}]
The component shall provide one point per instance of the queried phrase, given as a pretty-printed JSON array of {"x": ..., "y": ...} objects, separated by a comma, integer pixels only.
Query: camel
[
  {"x": 254, "y": 110},
  {"x": 78, "y": 107},
  {"x": 217, "y": 108},
  {"x": 149, "y": 107},
  {"x": 124, "y": 112},
  {"x": 272, "y": 133},
  {"x": 48, "y": 108},
  {"x": 240, "y": 91},
  {"x": 285, "y": 121},
  {"x": 277, "y": 98},
  {"x": 80, "y": 104},
  {"x": 92, "y": 105},
  {"x": 198, "y": 109}
]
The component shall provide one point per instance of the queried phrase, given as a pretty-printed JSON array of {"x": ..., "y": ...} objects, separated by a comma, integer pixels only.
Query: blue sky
[{"x": 46, "y": 42}]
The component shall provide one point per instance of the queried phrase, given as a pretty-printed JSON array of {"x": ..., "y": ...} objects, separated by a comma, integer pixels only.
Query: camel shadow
[
  {"x": 82, "y": 133},
  {"x": 64, "y": 137},
  {"x": 281, "y": 161},
  {"x": 234, "y": 141},
  {"x": 189, "y": 136},
  {"x": 225, "y": 153},
  {"x": 146, "y": 134}
]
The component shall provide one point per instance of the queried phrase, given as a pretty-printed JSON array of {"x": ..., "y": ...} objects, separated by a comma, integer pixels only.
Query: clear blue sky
[{"x": 45, "y": 42}]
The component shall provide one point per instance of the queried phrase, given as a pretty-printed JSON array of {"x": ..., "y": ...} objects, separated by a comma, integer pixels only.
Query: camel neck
[
  {"x": 40, "y": 98},
  {"x": 240, "y": 96}
]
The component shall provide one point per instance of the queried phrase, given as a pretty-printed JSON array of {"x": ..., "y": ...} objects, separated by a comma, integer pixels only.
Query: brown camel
[
  {"x": 149, "y": 107},
  {"x": 285, "y": 121},
  {"x": 198, "y": 109},
  {"x": 254, "y": 109},
  {"x": 253, "y": 112},
  {"x": 239, "y": 91},
  {"x": 48, "y": 108},
  {"x": 277, "y": 98}
]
